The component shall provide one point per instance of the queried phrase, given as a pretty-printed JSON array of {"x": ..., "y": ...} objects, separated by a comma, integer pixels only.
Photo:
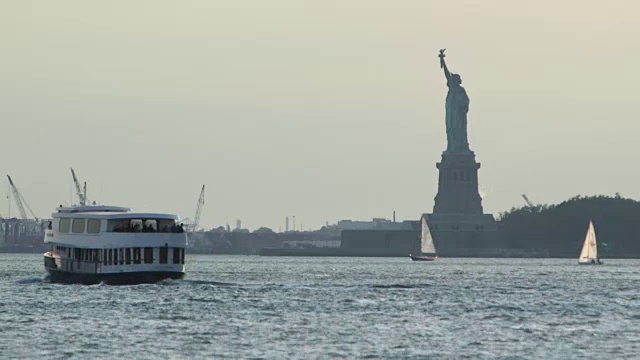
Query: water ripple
[{"x": 263, "y": 308}]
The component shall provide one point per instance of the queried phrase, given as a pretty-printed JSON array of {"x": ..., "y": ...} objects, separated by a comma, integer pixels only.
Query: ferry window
[
  {"x": 93, "y": 226},
  {"x": 148, "y": 255},
  {"x": 165, "y": 225},
  {"x": 115, "y": 256},
  {"x": 104, "y": 257},
  {"x": 64, "y": 225},
  {"x": 182, "y": 256},
  {"x": 78, "y": 254},
  {"x": 110, "y": 256},
  {"x": 118, "y": 225},
  {"x": 121, "y": 256},
  {"x": 136, "y": 255},
  {"x": 150, "y": 225},
  {"x": 127, "y": 255},
  {"x": 78, "y": 226},
  {"x": 176, "y": 255},
  {"x": 164, "y": 255},
  {"x": 135, "y": 225},
  {"x": 141, "y": 225}
]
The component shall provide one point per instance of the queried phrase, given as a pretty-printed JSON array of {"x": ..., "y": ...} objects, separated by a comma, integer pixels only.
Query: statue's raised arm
[{"x": 443, "y": 65}]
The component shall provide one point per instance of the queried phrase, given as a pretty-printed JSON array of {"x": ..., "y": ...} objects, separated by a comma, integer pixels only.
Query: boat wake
[
  {"x": 204, "y": 282},
  {"x": 167, "y": 282},
  {"x": 33, "y": 280}
]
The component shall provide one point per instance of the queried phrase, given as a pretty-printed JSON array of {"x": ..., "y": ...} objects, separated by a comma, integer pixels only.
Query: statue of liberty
[{"x": 457, "y": 106}]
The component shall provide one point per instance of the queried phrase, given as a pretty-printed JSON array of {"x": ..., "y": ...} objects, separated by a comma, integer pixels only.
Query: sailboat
[
  {"x": 427, "y": 250},
  {"x": 589, "y": 253}
]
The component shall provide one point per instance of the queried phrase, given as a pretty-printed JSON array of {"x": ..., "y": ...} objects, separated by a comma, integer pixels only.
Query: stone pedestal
[
  {"x": 458, "y": 223},
  {"x": 458, "y": 185},
  {"x": 464, "y": 234}
]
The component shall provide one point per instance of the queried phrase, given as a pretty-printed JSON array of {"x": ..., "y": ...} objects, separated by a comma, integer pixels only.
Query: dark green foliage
[{"x": 561, "y": 228}]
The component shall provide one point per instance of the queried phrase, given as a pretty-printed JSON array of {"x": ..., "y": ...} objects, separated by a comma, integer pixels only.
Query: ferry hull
[{"x": 125, "y": 278}]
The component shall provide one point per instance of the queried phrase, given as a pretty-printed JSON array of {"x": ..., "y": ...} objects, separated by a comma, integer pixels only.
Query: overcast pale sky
[{"x": 326, "y": 110}]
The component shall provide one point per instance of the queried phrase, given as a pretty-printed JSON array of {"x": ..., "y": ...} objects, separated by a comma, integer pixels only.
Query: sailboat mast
[{"x": 416, "y": 246}]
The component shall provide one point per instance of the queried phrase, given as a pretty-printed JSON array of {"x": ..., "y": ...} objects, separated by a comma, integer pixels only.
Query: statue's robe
[{"x": 457, "y": 106}]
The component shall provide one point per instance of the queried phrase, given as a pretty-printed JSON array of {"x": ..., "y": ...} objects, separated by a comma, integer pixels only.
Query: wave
[
  {"x": 401, "y": 286},
  {"x": 205, "y": 300}
]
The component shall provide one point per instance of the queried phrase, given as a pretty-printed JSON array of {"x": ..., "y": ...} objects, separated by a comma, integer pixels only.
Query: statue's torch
[{"x": 441, "y": 56}]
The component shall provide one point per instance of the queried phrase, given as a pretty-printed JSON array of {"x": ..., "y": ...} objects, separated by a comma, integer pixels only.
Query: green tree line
[{"x": 561, "y": 228}]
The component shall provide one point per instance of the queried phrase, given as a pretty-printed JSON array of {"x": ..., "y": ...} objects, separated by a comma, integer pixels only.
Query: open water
[{"x": 269, "y": 307}]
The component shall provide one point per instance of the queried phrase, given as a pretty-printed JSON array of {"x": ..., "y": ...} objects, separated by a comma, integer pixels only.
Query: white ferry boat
[{"x": 111, "y": 244}]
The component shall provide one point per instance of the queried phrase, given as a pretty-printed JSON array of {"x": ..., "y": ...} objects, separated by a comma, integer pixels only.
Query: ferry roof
[
  {"x": 117, "y": 215},
  {"x": 108, "y": 212},
  {"x": 92, "y": 208}
]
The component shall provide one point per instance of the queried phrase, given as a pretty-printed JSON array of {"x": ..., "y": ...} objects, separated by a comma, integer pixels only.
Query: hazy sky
[{"x": 326, "y": 110}]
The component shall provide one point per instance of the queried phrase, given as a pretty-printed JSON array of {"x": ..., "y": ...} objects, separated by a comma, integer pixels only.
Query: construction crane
[
  {"x": 526, "y": 199},
  {"x": 196, "y": 217},
  {"x": 20, "y": 201},
  {"x": 82, "y": 196}
]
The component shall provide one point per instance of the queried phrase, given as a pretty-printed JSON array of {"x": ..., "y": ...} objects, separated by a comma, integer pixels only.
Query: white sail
[
  {"x": 426, "y": 240},
  {"x": 589, "y": 247}
]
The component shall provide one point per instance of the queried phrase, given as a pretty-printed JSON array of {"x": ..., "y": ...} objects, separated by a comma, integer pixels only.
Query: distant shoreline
[
  {"x": 342, "y": 252},
  {"x": 617, "y": 257}
]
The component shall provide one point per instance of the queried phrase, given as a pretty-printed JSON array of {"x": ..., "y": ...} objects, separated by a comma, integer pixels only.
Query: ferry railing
[{"x": 85, "y": 267}]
